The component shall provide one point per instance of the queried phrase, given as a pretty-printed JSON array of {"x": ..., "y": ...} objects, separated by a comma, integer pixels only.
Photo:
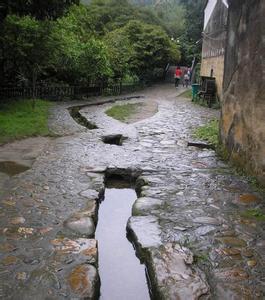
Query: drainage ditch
[
  {"x": 75, "y": 111},
  {"x": 75, "y": 114},
  {"x": 201, "y": 145},
  {"x": 121, "y": 273},
  {"x": 114, "y": 139},
  {"x": 12, "y": 168}
]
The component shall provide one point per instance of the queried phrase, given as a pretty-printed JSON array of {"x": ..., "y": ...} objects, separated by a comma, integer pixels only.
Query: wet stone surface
[
  {"x": 197, "y": 216},
  {"x": 174, "y": 277}
]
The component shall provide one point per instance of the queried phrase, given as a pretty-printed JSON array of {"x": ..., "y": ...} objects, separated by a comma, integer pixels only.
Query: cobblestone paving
[{"x": 192, "y": 209}]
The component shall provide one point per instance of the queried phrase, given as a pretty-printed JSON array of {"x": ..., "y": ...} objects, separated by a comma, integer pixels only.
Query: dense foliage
[
  {"x": 191, "y": 39},
  {"x": 183, "y": 21},
  {"x": 65, "y": 41},
  {"x": 48, "y": 9}
]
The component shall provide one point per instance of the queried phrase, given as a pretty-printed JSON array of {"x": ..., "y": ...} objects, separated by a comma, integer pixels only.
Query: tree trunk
[{"x": 34, "y": 79}]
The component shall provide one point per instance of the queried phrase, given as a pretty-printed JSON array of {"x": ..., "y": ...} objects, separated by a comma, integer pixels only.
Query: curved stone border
[{"x": 170, "y": 268}]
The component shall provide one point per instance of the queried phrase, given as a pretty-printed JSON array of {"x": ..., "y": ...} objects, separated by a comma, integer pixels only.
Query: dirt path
[{"x": 194, "y": 219}]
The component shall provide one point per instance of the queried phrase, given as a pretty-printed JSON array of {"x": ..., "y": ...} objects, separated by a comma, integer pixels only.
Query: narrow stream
[{"x": 121, "y": 274}]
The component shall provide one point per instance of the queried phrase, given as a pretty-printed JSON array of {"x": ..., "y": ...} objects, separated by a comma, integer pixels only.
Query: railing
[{"x": 59, "y": 92}]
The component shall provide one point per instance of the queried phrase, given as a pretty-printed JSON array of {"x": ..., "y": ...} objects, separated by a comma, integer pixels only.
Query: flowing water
[{"x": 121, "y": 274}]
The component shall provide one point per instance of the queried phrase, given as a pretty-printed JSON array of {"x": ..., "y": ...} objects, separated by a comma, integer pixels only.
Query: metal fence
[{"x": 60, "y": 92}]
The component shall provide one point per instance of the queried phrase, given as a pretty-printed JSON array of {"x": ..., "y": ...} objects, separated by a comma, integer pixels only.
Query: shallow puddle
[
  {"x": 12, "y": 168},
  {"x": 121, "y": 274}
]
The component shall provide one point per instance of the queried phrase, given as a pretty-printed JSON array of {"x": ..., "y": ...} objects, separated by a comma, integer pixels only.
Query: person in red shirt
[{"x": 178, "y": 74}]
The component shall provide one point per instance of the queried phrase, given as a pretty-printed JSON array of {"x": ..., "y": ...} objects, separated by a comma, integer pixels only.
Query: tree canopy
[
  {"x": 48, "y": 9},
  {"x": 65, "y": 41}
]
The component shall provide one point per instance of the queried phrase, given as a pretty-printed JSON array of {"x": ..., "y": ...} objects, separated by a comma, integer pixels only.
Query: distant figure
[
  {"x": 178, "y": 74},
  {"x": 189, "y": 73},
  {"x": 186, "y": 80}
]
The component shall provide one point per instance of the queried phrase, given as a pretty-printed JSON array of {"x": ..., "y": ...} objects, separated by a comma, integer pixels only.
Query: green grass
[
  {"x": 201, "y": 258},
  {"x": 254, "y": 213},
  {"x": 123, "y": 112},
  {"x": 187, "y": 94},
  {"x": 208, "y": 132},
  {"x": 18, "y": 119}
]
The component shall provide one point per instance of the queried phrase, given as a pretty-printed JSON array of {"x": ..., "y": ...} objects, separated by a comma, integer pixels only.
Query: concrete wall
[
  {"x": 208, "y": 11},
  {"x": 213, "y": 47},
  {"x": 243, "y": 103}
]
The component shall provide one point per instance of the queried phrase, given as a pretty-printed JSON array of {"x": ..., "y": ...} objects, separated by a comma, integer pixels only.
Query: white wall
[
  {"x": 225, "y": 3},
  {"x": 208, "y": 11}
]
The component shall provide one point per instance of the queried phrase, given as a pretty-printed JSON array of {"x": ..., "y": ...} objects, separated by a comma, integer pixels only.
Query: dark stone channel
[
  {"x": 114, "y": 139},
  {"x": 12, "y": 168},
  {"x": 75, "y": 114},
  {"x": 201, "y": 145},
  {"x": 121, "y": 274}
]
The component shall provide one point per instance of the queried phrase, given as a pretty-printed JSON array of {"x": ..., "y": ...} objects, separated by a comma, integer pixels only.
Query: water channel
[
  {"x": 12, "y": 168},
  {"x": 121, "y": 274}
]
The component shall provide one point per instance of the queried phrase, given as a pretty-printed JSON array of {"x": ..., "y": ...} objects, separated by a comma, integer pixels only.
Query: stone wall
[
  {"x": 213, "y": 47},
  {"x": 243, "y": 104}
]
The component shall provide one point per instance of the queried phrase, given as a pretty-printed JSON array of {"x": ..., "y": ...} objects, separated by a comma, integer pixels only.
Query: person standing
[
  {"x": 189, "y": 73},
  {"x": 186, "y": 80},
  {"x": 178, "y": 74}
]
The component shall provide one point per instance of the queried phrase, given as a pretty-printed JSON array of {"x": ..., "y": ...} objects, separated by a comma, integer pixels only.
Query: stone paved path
[{"x": 189, "y": 221}]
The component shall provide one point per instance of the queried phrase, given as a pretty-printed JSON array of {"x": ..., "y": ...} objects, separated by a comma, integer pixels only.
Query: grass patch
[
  {"x": 254, "y": 213},
  {"x": 201, "y": 258},
  {"x": 123, "y": 112},
  {"x": 208, "y": 132},
  {"x": 18, "y": 119},
  {"x": 187, "y": 94}
]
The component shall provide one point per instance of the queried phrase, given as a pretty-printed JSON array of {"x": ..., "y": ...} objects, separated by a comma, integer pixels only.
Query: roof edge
[
  {"x": 205, "y": 4},
  {"x": 225, "y": 2}
]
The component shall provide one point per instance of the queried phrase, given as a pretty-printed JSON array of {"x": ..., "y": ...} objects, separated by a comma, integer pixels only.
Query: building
[
  {"x": 243, "y": 102},
  {"x": 214, "y": 41}
]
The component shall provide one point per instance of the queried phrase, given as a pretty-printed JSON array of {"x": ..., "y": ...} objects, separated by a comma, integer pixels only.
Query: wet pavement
[{"x": 198, "y": 227}]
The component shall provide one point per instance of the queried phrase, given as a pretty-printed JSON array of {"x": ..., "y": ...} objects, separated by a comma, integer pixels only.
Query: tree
[
  {"x": 41, "y": 10},
  {"x": 190, "y": 40},
  {"x": 79, "y": 56},
  {"x": 26, "y": 48},
  {"x": 172, "y": 16},
  {"x": 106, "y": 39},
  {"x": 109, "y": 15},
  {"x": 152, "y": 49},
  {"x": 119, "y": 52}
]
